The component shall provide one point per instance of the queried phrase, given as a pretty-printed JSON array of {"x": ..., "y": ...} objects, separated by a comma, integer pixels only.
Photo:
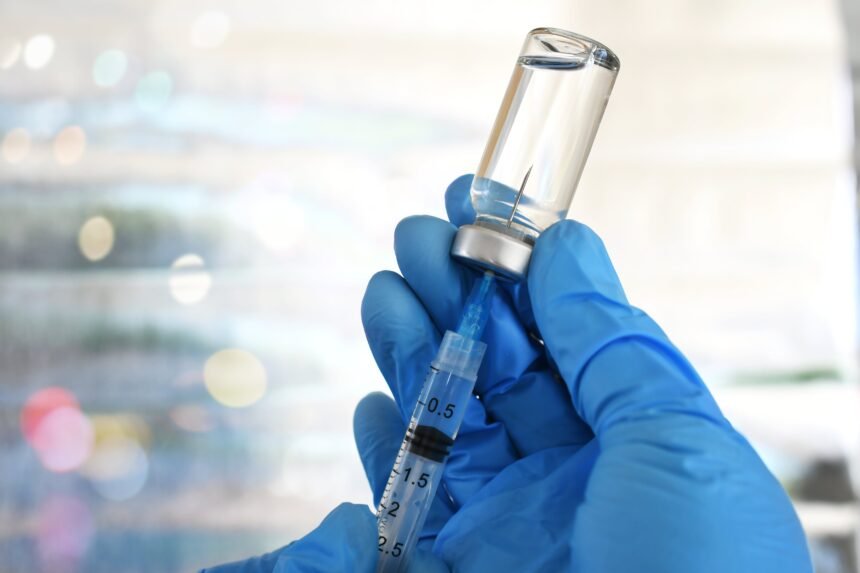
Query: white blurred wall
[
  {"x": 722, "y": 183},
  {"x": 720, "y": 179}
]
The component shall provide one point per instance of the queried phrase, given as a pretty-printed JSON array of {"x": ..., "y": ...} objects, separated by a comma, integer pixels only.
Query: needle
[{"x": 519, "y": 196}]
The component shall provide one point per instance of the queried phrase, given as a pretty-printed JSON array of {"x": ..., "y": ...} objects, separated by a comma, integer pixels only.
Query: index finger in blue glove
[
  {"x": 423, "y": 245},
  {"x": 403, "y": 341},
  {"x": 402, "y": 338}
]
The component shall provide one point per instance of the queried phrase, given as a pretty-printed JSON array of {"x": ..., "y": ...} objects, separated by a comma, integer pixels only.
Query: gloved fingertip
[
  {"x": 374, "y": 408},
  {"x": 378, "y": 430},
  {"x": 356, "y": 513},
  {"x": 458, "y": 202},
  {"x": 365, "y": 407},
  {"x": 376, "y": 296},
  {"x": 390, "y": 312},
  {"x": 569, "y": 257},
  {"x": 572, "y": 236},
  {"x": 344, "y": 541},
  {"x": 413, "y": 234},
  {"x": 262, "y": 564},
  {"x": 422, "y": 246}
]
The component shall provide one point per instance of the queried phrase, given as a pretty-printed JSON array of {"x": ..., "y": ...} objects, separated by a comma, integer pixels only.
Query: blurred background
[{"x": 195, "y": 193}]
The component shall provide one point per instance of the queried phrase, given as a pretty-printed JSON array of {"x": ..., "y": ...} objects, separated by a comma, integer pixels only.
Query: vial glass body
[{"x": 543, "y": 133}]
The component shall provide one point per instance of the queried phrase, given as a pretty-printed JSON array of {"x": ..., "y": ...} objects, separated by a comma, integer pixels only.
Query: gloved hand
[{"x": 594, "y": 446}]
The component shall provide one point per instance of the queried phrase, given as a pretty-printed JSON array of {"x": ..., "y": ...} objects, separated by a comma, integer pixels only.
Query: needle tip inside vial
[{"x": 519, "y": 197}]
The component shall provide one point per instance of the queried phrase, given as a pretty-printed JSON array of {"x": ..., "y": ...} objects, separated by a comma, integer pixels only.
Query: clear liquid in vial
[{"x": 547, "y": 122}]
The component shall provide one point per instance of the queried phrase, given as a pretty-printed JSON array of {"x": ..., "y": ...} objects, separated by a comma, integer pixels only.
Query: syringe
[{"x": 432, "y": 429}]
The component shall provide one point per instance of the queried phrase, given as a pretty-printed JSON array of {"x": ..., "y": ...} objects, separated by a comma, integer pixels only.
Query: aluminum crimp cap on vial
[{"x": 488, "y": 249}]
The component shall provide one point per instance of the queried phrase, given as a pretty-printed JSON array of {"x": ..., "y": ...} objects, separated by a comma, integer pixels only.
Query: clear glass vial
[{"x": 537, "y": 148}]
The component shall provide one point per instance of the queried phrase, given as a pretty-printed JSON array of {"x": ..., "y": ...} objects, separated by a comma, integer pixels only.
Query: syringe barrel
[{"x": 418, "y": 469}]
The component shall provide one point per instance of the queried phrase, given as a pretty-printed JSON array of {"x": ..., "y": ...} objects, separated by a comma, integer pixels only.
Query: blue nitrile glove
[{"x": 598, "y": 450}]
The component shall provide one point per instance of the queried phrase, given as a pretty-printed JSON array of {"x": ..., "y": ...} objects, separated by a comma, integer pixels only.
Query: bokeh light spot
[
  {"x": 109, "y": 68},
  {"x": 125, "y": 426},
  {"x": 235, "y": 377},
  {"x": 192, "y": 418},
  {"x": 95, "y": 239},
  {"x": 16, "y": 145},
  {"x": 65, "y": 531},
  {"x": 39, "y": 51},
  {"x": 189, "y": 282},
  {"x": 278, "y": 222},
  {"x": 153, "y": 91},
  {"x": 210, "y": 29},
  {"x": 118, "y": 468},
  {"x": 10, "y": 51},
  {"x": 42, "y": 403},
  {"x": 70, "y": 145},
  {"x": 63, "y": 439},
  {"x": 269, "y": 210}
]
